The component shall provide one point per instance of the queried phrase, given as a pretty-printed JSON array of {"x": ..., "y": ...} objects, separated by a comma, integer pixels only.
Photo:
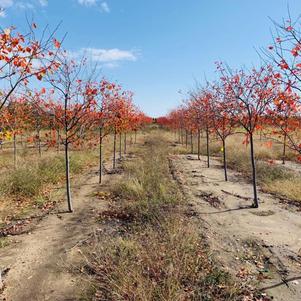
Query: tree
[
  {"x": 23, "y": 56},
  {"x": 250, "y": 94},
  {"x": 203, "y": 100},
  {"x": 76, "y": 96},
  {"x": 222, "y": 120},
  {"x": 15, "y": 116},
  {"x": 284, "y": 117},
  {"x": 107, "y": 92},
  {"x": 285, "y": 55}
]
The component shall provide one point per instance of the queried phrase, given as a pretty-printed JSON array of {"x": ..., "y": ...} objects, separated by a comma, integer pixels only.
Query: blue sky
[{"x": 157, "y": 47}]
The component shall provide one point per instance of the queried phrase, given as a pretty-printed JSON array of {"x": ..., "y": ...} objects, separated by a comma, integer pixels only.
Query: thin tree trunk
[
  {"x": 125, "y": 143},
  {"x": 182, "y": 137},
  {"x": 186, "y": 138},
  {"x": 225, "y": 160},
  {"x": 208, "y": 149},
  {"x": 39, "y": 143},
  {"x": 199, "y": 145},
  {"x": 135, "y": 136},
  {"x": 255, "y": 204},
  {"x": 67, "y": 162},
  {"x": 284, "y": 149},
  {"x": 58, "y": 140},
  {"x": 191, "y": 141},
  {"x": 21, "y": 140},
  {"x": 114, "y": 149},
  {"x": 15, "y": 150},
  {"x": 100, "y": 155},
  {"x": 120, "y": 145}
]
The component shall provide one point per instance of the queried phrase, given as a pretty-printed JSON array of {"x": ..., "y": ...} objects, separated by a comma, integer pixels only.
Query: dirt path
[
  {"x": 254, "y": 244},
  {"x": 38, "y": 261}
]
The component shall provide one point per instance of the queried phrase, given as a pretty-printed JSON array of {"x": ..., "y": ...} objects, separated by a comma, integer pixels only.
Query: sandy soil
[
  {"x": 257, "y": 245},
  {"x": 39, "y": 262}
]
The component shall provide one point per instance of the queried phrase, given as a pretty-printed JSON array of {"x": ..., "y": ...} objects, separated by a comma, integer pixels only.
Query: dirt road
[
  {"x": 39, "y": 261},
  {"x": 254, "y": 244}
]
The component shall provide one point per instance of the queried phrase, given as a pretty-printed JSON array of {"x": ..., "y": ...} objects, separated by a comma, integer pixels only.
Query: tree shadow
[
  {"x": 283, "y": 282},
  {"x": 228, "y": 210},
  {"x": 64, "y": 211}
]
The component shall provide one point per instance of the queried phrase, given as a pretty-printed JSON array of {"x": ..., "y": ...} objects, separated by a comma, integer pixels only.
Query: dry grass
[
  {"x": 168, "y": 262},
  {"x": 154, "y": 252},
  {"x": 26, "y": 188},
  {"x": 287, "y": 188},
  {"x": 146, "y": 185},
  {"x": 272, "y": 178}
]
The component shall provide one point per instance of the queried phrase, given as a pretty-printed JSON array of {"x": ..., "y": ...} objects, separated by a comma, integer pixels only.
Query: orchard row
[
  {"x": 264, "y": 99},
  {"x": 58, "y": 100}
]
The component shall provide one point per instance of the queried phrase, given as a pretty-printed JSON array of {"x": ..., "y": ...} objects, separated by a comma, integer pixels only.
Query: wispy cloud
[
  {"x": 23, "y": 5},
  {"x": 87, "y": 2},
  {"x": 6, "y": 3},
  {"x": 106, "y": 57},
  {"x": 110, "y": 55},
  {"x": 43, "y": 2},
  {"x": 104, "y": 7}
]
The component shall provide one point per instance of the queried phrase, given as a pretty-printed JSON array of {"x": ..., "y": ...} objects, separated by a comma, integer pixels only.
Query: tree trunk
[
  {"x": 284, "y": 149},
  {"x": 67, "y": 162},
  {"x": 182, "y": 137},
  {"x": 100, "y": 155},
  {"x": 125, "y": 143},
  {"x": 58, "y": 140},
  {"x": 15, "y": 150},
  {"x": 191, "y": 142},
  {"x": 135, "y": 136},
  {"x": 186, "y": 138},
  {"x": 225, "y": 160},
  {"x": 199, "y": 145},
  {"x": 39, "y": 143},
  {"x": 21, "y": 140},
  {"x": 114, "y": 149},
  {"x": 255, "y": 204},
  {"x": 208, "y": 149},
  {"x": 120, "y": 145}
]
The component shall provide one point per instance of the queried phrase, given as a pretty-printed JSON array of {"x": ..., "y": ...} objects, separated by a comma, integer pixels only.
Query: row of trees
[
  {"x": 263, "y": 100},
  {"x": 71, "y": 105}
]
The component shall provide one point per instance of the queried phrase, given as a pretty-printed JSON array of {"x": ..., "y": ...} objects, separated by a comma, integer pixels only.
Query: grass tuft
[{"x": 158, "y": 254}]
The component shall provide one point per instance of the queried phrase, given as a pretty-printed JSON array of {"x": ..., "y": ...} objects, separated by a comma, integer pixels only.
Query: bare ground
[
  {"x": 260, "y": 246},
  {"x": 39, "y": 262}
]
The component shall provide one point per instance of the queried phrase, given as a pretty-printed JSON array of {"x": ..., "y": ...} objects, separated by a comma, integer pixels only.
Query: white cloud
[
  {"x": 109, "y": 55},
  {"x": 43, "y": 2},
  {"x": 6, "y": 3},
  {"x": 87, "y": 2},
  {"x": 105, "y": 7},
  {"x": 24, "y": 5},
  {"x": 106, "y": 57},
  {"x": 2, "y": 13}
]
